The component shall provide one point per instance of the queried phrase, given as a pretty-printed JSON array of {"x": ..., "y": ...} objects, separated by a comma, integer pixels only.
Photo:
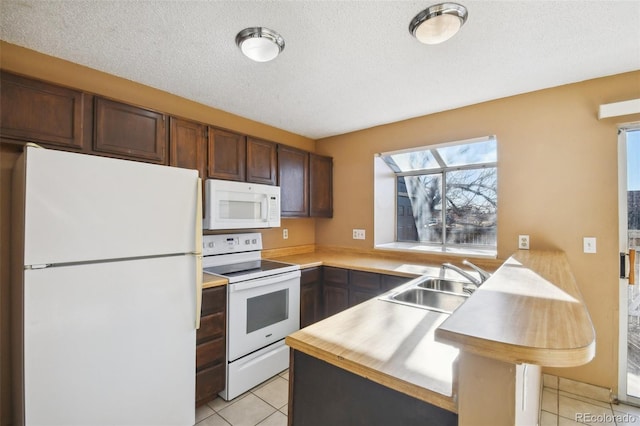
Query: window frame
[{"x": 442, "y": 171}]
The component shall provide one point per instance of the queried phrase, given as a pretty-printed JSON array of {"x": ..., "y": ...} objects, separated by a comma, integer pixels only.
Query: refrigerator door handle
[
  {"x": 198, "y": 230},
  {"x": 198, "y": 289},
  {"x": 198, "y": 252}
]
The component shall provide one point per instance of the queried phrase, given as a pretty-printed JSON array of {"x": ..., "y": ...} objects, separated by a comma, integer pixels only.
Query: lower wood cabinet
[
  {"x": 310, "y": 296},
  {"x": 336, "y": 289},
  {"x": 322, "y": 394},
  {"x": 210, "y": 345}
]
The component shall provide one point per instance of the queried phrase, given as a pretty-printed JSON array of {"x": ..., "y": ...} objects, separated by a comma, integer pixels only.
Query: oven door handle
[{"x": 262, "y": 282}]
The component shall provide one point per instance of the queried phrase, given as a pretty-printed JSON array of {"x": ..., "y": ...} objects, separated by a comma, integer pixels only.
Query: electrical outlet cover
[
  {"x": 589, "y": 244},
  {"x": 523, "y": 242}
]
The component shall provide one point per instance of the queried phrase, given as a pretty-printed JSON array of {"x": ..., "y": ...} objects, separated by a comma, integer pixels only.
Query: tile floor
[
  {"x": 264, "y": 405},
  {"x": 564, "y": 403},
  {"x": 567, "y": 402}
]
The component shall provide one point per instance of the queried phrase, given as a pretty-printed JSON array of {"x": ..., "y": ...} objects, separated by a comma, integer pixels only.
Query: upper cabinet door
[
  {"x": 261, "y": 161},
  {"x": 227, "y": 155},
  {"x": 129, "y": 132},
  {"x": 187, "y": 145},
  {"x": 321, "y": 186},
  {"x": 39, "y": 112},
  {"x": 293, "y": 178}
]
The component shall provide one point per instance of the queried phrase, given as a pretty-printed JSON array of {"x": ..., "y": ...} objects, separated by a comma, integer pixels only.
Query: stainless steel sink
[
  {"x": 420, "y": 297},
  {"x": 447, "y": 285}
]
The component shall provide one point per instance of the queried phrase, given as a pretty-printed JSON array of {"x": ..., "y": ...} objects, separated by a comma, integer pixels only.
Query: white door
[
  {"x": 629, "y": 208},
  {"x": 110, "y": 343},
  {"x": 86, "y": 208}
]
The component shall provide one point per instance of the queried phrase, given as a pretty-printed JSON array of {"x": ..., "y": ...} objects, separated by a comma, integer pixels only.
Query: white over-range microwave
[{"x": 241, "y": 205}]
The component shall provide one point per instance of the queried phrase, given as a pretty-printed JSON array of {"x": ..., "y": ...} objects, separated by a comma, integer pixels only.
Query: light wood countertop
[
  {"x": 209, "y": 281},
  {"x": 389, "y": 344},
  {"x": 362, "y": 262},
  {"x": 530, "y": 311}
]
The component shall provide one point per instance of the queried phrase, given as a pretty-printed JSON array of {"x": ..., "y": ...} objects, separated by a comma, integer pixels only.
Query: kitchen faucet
[
  {"x": 475, "y": 281},
  {"x": 484, "y": 275}
]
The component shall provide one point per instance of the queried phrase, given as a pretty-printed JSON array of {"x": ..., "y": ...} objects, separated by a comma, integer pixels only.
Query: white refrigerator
[{"x": 107, "y": 288}]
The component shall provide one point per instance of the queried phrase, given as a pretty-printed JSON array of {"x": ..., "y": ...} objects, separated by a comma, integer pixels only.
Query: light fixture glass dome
[
  {"x": 438, "y": 23},
  {"x": 260, "y": 44}
]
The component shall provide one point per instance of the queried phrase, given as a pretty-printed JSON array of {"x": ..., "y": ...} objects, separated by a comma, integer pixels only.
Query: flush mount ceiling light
[
  {"x": 438, "y": 23},
  {"x": 260, "y": 44}
]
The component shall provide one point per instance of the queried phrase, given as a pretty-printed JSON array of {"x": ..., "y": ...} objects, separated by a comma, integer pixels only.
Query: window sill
[{"x": 428, "y": 249}]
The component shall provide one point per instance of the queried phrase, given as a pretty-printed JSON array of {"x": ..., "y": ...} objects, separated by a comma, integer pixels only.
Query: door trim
[{"x": 623, "y": 248}]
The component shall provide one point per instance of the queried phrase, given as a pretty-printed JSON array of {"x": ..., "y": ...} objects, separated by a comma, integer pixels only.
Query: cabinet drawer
[
  {"x": 366, "y": 280},
  {"x": 208, "y": 353},
  {"x": 214, "y": 300},
  {"x": 336, "y": 276},
  {"x": 209, "y": 382},
  {"x": 308, "y": 276},
  {"x": 211, "y": 326}
]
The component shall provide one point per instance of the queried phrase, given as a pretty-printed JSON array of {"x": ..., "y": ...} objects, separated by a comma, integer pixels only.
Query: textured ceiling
[{"x": 347, "y": 65}]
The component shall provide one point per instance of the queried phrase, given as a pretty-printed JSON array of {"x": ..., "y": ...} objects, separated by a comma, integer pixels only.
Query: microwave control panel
[{"x": 274, "y": 208}]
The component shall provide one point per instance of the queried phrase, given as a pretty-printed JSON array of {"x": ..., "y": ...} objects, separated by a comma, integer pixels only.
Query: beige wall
[{"x": 557, "y": 182}]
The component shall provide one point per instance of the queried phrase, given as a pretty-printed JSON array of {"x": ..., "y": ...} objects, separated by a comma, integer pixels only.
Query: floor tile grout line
[
  {"x": 576, "y": 397},
  {"x": 268, "y": 403},
  {"x": 586, "y": 402}
]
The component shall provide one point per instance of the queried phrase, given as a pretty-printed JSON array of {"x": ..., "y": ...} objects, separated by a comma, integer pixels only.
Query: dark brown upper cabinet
[
  {"x": 188, "y": 145},
  {"x": 227, "y": 155},
  {"x": 293, "y": 178},
  {"x": 34, "y": 111},
  {"x": 261, "y": 161},
  {"x": 320, "y": 186},
  {"x": 129, "y": 132},
  {"x": 306, "y": 183}
]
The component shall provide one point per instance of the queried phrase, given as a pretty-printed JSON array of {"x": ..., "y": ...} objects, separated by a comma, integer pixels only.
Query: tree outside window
[{"x": 447, "y": 195}]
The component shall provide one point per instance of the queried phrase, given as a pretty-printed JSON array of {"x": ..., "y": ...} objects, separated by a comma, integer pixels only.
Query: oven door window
[{"x": 267, "y": 309}]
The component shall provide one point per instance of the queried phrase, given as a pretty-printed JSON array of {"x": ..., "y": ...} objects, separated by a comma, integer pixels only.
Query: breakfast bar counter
[
  {"x": 530, "y": 311},
  {"x": 389, "y": 344},
  {"x": 528, "y": 314}
]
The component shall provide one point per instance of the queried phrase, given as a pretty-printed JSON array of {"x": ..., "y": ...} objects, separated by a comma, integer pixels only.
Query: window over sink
[{"x": 445, "y": 198}]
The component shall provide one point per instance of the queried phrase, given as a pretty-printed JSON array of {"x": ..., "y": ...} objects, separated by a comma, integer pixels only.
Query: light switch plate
[{"x": 589, "y": 244}]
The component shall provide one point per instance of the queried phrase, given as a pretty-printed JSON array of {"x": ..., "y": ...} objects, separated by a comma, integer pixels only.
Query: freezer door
[
  {"x": 110, "y": 343},
  {"x": 85, "y": 208}
]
